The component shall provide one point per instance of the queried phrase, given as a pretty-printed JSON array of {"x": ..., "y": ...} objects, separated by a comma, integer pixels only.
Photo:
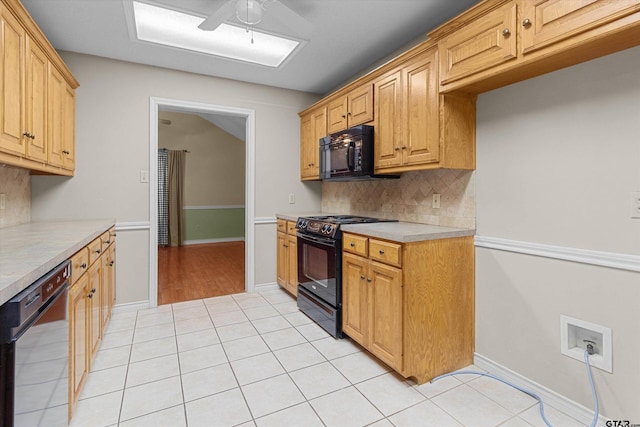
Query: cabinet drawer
[
  {"x": 79, "y": 264},
  {"x": 291, "y": 227},
  {"x": 95, "y": 249},
  {"x": 282, "y": 225},
  {"x": 387, "y": 252},
  {"x": 106, "y": 240},
  {"x": 355, "y": 244}
]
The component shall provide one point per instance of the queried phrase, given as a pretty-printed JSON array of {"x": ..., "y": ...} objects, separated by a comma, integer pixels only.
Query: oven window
[{"x": 316, "y": 261}]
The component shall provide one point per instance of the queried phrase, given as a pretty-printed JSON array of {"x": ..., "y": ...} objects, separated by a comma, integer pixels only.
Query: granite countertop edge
[{"x": 29, "y": 251}]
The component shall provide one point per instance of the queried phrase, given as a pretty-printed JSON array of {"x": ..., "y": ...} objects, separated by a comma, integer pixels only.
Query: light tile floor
[{"x": 255, "y": 360}]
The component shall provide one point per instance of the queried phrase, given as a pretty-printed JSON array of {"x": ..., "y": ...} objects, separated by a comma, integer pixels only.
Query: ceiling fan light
[{"x": 249, "y": 11}]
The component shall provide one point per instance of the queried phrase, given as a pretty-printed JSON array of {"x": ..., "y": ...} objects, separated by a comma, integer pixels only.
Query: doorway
[{"x": 202, "y": 243}]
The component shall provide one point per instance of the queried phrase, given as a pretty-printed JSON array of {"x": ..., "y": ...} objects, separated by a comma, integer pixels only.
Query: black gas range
[{"x": 320, "y": 267}]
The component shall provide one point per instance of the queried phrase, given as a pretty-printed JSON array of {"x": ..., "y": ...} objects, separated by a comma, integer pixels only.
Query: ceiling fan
[{"x": 274, "y": 15}]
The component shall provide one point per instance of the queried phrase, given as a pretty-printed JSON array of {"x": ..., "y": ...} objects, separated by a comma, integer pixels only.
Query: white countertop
[
  {"x": 405, "y": 232},
  {"x": 29, "y": 251}
]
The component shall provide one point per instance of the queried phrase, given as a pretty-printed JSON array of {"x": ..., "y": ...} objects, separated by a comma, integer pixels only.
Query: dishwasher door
[{"x": 34, "y": 373}]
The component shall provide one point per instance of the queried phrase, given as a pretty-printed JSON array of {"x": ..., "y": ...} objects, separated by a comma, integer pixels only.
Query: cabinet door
[
  {"x": 55, "y": 113},
  {"x": 354, "y": 297},
  {"x": 78, "y": 335},
  {"x": 12, "y": 124},
  {"x": 282, "y": 260},
  {"x": 292, "y": 274},
  {"x": 545, "y": 22},
  {"x": 112, "y": 276},
  {"x": 105, "y": 306},
  {"x": 36, "y": 106},
  {"x": 484, "y": 43},
  {"x": 313, "y": 126},
  {"x": 385, "y": 314},
  {"x": 421, "y": 116},
  {"x": 388, "y": 123},
  {"x": 360, "y": 105},
  {"x": 337, "y": 115},
  {"x": 95, "y": 295},
  {"x": 69, "y": 128}
]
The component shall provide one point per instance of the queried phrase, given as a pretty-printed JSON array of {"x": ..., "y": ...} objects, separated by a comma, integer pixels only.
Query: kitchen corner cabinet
[
  {"x": 411, "y": 304},
  {"x": 313, "y": 126},
  {"x": 352, "y": 109},
  {"x": 287, "y": 256},
  {"x": 37, "y": 97},
  {"x": 91, "y": 297},
  {"x": 499, "y": 42},
  {"x": 415, "y": 127}
]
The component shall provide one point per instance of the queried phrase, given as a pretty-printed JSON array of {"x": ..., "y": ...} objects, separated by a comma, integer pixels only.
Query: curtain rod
[{"x": 166, "y": 149}]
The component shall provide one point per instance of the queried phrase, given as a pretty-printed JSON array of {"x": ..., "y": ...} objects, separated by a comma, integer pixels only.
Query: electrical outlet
[
  {"x": 575, "y": 334},
  {"x": 292, "y": 198},
  {"x": 435, "y": 203},
  {"x": 635, "y": 204},
  {"x": 2, "y": 201}
]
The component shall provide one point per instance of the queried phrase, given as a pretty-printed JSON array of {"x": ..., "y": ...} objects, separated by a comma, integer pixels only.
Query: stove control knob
[
  {"x": 329, "y": 229},
  {"x": 324, "y": 228}
]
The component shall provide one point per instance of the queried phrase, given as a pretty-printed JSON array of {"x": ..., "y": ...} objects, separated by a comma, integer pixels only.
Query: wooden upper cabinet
[
  {"x": 12, "y": 84},
  {"x": 313, "y": 126},
  {"x": 545, "y": 22},
  {"x": 37, "y": 97},
  {"x": 350, "y": 110},
  {"x": 484, "y": 43},
  {"x": 407, "y": 119},
  {"x": 499, "y": 42},
  {"x": 36, "y": 105}
]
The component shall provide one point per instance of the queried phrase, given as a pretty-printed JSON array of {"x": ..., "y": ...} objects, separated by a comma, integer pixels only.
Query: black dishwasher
[{"x": 34, "y": 353}]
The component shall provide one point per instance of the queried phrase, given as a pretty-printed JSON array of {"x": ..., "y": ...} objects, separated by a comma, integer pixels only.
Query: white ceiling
[{"x": 346, "y": 36}]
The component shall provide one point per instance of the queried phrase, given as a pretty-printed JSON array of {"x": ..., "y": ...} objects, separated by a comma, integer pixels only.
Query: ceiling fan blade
[
  {"x": 219, "y": 16},
  {"x": 289, "y": 19}
]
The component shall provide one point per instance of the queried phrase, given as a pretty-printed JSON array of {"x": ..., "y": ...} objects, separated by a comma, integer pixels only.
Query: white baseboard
[
  {"x": 265, "y": 287},
  {"x": 130, "y": 306},
  {"x": 548, "y": 396},
  {"x": 205, "y": 241}
]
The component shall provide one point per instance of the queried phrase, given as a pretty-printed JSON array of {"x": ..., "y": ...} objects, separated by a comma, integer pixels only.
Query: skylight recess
[{"x": 168, "y": 27}]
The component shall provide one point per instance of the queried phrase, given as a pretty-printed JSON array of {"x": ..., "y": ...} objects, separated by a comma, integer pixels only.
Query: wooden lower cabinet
[
  {"x": 411, "y": 304},
  {"x": 287, "y": 256},
  {"x": 79, "y": 310},
  {"x": 372, "y": 307},
  {"x": 91, "y": 299}
]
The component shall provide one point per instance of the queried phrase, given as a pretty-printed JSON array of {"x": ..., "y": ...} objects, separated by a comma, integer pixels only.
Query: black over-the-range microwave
[{"x": 348, "y": 155}]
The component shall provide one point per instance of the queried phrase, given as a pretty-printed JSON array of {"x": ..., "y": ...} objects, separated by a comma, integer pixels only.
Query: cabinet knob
[
  {"x": 526, "y": 23},
  {"x": 83, "y": 265},
  {"x": 66, "y": 152},
  {"x": 397, "y": 148},
  {"x": 93, "y": 290},
  {"x": 98, "y": 251},
  {"x": 286, "y": 246},
  {"x": 90, "y": 296},
  {"x": 344, "y": 117},
  {"x": 111, "y": 264},
  {"x": 28, "y": 135},
  {"x": 369, "y": 279},
  {"x": 353, "y": 245},
  {"x": 404, "y": 147},
  {"x": 506, "y": 32},
  {"x": 349, "y": 113},
  {"x": 381, "y": 251},
  {"x": 362, "y": 277}
]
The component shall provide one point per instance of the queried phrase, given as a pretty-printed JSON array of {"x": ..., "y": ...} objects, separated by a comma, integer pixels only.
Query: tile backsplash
[
  {"x": 15, "y": 184},
  {"x": 408, "y": 198}
]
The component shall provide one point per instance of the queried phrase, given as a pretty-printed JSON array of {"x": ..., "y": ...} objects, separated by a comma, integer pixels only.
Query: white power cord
[{"x": 532, "y": 394}]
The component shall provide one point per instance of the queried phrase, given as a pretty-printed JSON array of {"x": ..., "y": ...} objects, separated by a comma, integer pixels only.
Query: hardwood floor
[{"x": 200, "y": 271}]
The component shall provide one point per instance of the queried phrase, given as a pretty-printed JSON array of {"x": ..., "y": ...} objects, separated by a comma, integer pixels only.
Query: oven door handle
[{"x": 316, "y": 239}]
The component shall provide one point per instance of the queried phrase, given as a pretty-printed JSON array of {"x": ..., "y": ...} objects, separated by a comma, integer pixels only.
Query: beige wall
[
  {"x": 558, "y": 157},
  {"x": 15, "y": 184},
  {"x": 112, "y": 146},
  {"x": 215, "y": 164}
]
